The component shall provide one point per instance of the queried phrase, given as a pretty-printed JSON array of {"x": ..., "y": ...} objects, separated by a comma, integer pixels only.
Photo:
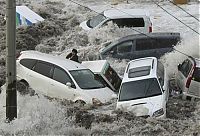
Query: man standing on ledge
[{"x": 73, "y": 55}]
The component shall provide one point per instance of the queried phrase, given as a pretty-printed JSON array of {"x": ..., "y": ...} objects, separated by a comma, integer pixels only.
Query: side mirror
[
  {"x": 179, "y": 67},
  {"x": 68, "y": 84}
]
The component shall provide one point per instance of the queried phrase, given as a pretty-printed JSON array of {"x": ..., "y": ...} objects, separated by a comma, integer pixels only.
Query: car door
[
  {"x": 123, "y": 50},
  {"x": 40, "y": 76},
  {"x": 183, "y": 72},
  {"x": 144, "y": 48},
  {"x": 163, "y": 80},
  {"x": 194, "y": 88},
  {"x": 58, "y": 87}
]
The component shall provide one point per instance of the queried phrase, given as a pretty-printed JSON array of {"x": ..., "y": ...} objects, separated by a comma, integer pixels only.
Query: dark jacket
[{"x": 72, "y": 57}]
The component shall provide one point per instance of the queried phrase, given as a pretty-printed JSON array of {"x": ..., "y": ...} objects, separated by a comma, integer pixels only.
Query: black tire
[
  {"x": 80, "y": 103},
  {"x": 23, "y": 87}
]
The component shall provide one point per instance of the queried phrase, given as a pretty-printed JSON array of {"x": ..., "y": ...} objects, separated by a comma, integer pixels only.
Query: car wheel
[
  {"x": 80, "y": 103},
  {"x": 23, "y": 87}
]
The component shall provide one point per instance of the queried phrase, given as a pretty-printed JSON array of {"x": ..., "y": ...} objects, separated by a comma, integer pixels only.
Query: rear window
[
  {"x": 139, "y": 89},
  {"x": 196, "y": 76},
  {"x": 139, "y": 71},
  {"x": 129, "y": 22},
  {"x": 155, "y": 43},
  {"x": 29, "y": 63}
]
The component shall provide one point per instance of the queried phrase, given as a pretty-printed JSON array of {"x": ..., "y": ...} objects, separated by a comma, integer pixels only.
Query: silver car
[{"x": 188, "y": 77}]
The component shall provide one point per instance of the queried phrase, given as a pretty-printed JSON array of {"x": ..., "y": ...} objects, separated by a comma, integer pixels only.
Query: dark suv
[{"x": 140, "y": 45}]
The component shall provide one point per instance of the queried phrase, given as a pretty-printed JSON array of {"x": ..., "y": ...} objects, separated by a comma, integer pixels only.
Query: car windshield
[
  {"x": 86, "y": 79},
  {"x": 139, "y": 89},
  {"x": 96, "y": 20},
  {"x": 196, "y": 76}
]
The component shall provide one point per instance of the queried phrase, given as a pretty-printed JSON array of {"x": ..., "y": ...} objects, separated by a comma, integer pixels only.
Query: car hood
[
  {"x": 141, "y": 107},
  {"x": 102, "y": 94},
  {"x": 84, "y": 26}
]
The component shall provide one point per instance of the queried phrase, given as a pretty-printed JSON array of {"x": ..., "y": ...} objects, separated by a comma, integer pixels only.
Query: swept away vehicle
[
  {"x": 103, "y": 70},
  {"x": 137, "y": 19},
  {"x": 140, "y": 45},
  {"x": 144, "y": 90},
  {"x": 188, "y": 77},
  {"x": 61, "y": 78}
]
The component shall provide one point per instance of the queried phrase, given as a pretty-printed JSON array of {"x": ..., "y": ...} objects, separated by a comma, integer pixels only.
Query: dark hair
[{"x": 74, "y": 50}]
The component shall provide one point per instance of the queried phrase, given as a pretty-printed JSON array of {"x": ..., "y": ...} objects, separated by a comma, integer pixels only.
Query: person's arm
[{"x": 69, "y": 56}]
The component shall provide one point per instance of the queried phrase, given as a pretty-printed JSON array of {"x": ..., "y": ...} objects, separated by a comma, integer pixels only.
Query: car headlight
[
  {"x": 96, "y": 101},
  {"x": 158, "y": 113}
]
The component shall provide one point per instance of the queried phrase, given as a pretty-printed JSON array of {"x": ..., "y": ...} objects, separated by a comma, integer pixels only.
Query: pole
[{"x": 11, "y": 97}]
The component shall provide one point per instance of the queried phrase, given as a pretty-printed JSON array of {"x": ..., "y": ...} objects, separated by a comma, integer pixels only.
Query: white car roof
[
  {"x": 58, "y": 60},
  {"x": 95, "y": 66},
  {"x": 124, "y": 13},
  {"x": 142, "y": 62}
]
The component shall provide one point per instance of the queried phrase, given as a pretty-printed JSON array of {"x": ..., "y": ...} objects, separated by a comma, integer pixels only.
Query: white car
[
  {"x": 61, "y": 78},
  {"x": 144, "y": 90},
  {"x": 188, "y": 77},
  {"x": 137, "y": 19},
  {"x": 105, "y": 72}
]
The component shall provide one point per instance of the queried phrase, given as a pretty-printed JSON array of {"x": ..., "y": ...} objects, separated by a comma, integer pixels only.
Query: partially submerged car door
[
  {"x": 58, "y": 85},
  {"x": 41, "y": 73},
  {"x": 194, "y": 88},
  {"x": 183, "y": 73}
]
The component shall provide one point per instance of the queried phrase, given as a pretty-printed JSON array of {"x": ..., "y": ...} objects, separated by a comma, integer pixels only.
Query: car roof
[
  {"x": 139, "y": 36},
  {"x": 57, "y": 60},
  {"x": 124, "y": 13},
  {"x": 148, "y": 64},
  {"x": 95, "y": 66}
]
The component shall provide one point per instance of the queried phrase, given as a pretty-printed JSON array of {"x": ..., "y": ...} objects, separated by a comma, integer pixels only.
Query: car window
[
  {"x": 112, "y": 77},
  {"x": 139, "y": 71},
  {"x": 29, "y": 63},
  {"x": 43, "y": 68},
  {"x": 139, "y": 89},
  {"x": 196, "y": 75},
  {"x": 144, "y": 44},
  {"x": 155, "y": 43},
  {"x": 86, "y": 79},
  {"x": 186, "y": 67},
  {"x": 96, "y": 20},
  {"x": 124, "y": 47},
  {"x": 61, "y": 76},
  {"x": 160, "y": 73},
  {"x": 165, "y": 42},
  {"x": 129, "y": 22}
]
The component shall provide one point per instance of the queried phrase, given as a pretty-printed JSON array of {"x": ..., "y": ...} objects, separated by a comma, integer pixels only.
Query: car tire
[
  {"x": 80, "y": 103},
  {"x": 22, "y": 87}
]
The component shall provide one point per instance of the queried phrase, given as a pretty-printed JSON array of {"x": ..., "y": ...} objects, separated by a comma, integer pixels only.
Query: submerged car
[
  {"x": 103, "y": 70},
  {"x": 188, "y": 77},
  {"x": 61, "y": 78},
  {"x": 144, "y": 90},
  {"x": 140, "y": 45},
  {"x": 137, "y": 19}
]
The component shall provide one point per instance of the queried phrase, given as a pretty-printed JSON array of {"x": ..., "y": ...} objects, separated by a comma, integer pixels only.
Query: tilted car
[
  {"x": 140, "y": 45},
  {"x": 136, "y": 19},
  {"x": 61, "y": 78},
  {"x": 103, "y": 70},
  {"x": 188, "y": 77},
  {"x": 144, "y": 90}
]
